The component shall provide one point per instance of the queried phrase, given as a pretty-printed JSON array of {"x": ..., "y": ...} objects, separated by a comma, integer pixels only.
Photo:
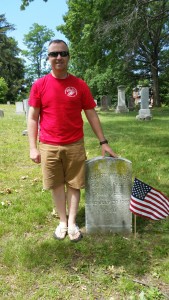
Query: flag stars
[{"x": 140, "y": 189}]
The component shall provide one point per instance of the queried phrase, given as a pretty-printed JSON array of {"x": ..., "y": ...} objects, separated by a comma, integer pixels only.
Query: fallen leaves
[
  {"x": 6, "y": 191},
  {"x": 6, "y": 203}
]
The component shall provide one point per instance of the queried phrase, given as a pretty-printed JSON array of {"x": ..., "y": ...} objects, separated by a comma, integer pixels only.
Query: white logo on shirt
[{"x": 71, "y": 91}]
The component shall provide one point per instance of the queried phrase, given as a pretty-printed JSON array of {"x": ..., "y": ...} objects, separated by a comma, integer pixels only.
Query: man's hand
[
  {"x": 35, "y": 156},
  {"x": 106, "y": 149}
]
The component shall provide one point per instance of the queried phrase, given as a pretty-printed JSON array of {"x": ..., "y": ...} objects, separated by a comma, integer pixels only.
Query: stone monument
[
  {"x": 121, "y": 105},
  {"x": 108, "y": 191},
  {"x": 144, "y": 112}
]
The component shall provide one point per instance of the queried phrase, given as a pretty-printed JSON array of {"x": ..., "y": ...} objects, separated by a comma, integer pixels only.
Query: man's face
[{"x": 58, "y": 62}]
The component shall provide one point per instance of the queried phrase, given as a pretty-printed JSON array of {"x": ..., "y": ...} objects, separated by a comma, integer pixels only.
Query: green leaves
[
  {"x": 25, "y": 3},
  {"x": 11, "y": 66},
  {"x": 3, "y": 89},
  {"x": 35, "y": 42}
]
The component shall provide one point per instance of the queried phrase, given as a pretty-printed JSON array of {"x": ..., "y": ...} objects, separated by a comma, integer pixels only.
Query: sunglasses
[{"x": 56, "y": 53}]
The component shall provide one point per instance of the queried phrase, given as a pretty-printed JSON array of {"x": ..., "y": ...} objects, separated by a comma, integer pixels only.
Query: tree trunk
[{"x": 155, "y": 78}]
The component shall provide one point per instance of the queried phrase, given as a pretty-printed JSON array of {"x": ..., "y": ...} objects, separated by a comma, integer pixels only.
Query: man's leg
[
  {"x": 59, "y": 199},
  {"x": 73, "y": 198}
]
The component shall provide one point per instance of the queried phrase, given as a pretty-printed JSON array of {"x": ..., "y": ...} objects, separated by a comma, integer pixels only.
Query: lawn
[{"x": 34, "y": 266}]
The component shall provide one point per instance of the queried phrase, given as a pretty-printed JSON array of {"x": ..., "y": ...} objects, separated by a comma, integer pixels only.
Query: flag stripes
[{"x": 148, "y": 202}]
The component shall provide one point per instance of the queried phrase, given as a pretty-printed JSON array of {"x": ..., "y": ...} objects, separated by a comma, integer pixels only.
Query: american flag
[{"x": 148, "y": 202}]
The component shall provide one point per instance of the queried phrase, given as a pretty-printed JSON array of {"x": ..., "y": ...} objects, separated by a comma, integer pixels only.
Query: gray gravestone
[
  {"x": 131, "y": 104},
  {"x": 108, "y": 191},
  {"x": 104, "y": 103},
  {"x": 144, "y": 112},
  {"x": 121, "y": 106},
  {"x": 1, "y": 113}
]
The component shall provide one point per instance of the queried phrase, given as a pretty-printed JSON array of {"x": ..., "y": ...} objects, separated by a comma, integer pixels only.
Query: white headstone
[
  {"x": 144, "y": 112},
  {"x": 19, "y": 107},
  {"x": 121, "y": 106},
  {"x": 108, "y": 191},
  {"x": 144, "y": 97}
]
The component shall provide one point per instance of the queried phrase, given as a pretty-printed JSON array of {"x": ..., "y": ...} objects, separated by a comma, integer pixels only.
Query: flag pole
[{"x": 134, "y": 226}]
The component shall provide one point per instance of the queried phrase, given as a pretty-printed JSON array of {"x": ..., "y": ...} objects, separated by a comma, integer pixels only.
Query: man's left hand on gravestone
[{"x": 106, "y": 149}]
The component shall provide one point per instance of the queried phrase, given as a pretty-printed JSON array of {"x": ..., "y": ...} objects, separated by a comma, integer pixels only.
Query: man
[{"x": 56, "y": 101}]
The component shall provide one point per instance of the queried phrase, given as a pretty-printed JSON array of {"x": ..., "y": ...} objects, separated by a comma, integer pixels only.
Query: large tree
[
  {"x": 94, "y": 55},
  {"x": 144, "y": 32},
  {"x": 134, "y": 32},
  {"x": 11, "y": 66},
  {"x": 36, "y": 54}
]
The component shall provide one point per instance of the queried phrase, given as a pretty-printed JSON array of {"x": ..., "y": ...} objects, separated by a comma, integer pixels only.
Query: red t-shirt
[{"x": 61, "y": 102}]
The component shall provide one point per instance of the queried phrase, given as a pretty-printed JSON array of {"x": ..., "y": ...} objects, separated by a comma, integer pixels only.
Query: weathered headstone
[
  {"x": 131, "y": 104},
  {"x": 104, "y": 103},
  {"x": 121, "y": 105},
  {"x": 108, "y": 191},
  {"x": 1, "y": 113},
  {"x": 144, "y": 112},
  {"x": 19, "y": 107}
]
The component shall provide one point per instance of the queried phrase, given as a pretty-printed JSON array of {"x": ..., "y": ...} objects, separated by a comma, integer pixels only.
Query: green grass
[{"x": 35, "y": 266}]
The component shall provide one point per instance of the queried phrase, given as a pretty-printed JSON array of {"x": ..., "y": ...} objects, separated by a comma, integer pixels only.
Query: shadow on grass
[
  {"x": 97, "y": 251},
  {"x": 81, "y": 217}
]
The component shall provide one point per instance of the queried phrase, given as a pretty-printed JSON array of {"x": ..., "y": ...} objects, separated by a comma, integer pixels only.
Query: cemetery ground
[{"x": 33, "y": 265}]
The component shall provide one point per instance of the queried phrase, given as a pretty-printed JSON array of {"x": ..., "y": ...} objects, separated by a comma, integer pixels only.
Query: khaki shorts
[{"x": 63, "y": 165}]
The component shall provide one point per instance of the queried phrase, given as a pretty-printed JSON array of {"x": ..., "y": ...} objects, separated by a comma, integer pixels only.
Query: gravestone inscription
[{"x": 108, "y": 191}]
